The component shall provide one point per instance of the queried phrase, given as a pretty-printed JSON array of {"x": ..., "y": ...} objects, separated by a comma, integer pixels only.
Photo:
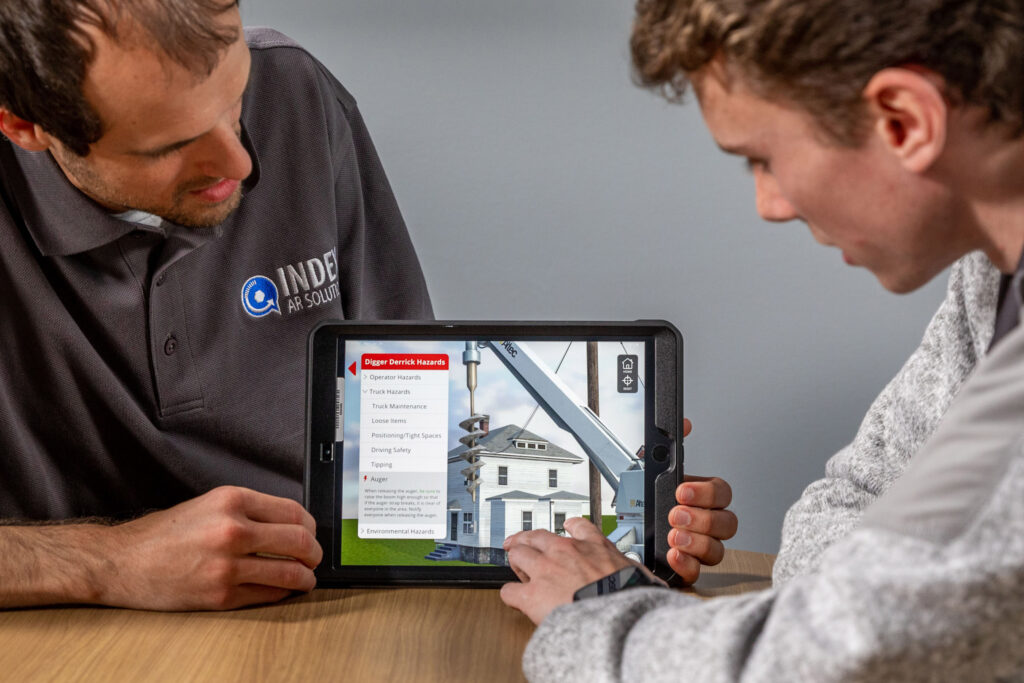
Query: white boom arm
[{"x": 570, "y": 413}]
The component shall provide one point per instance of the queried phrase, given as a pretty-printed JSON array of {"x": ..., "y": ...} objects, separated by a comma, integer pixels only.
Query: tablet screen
[{"x": 449, "y": 447}]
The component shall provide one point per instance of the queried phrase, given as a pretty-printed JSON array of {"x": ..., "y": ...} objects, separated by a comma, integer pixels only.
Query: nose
[
  {"x": 222, "y": 154},
  {"x": 771, "y": 204}
]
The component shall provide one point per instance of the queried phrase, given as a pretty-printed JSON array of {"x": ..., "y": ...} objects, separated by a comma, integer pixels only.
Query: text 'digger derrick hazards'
[{"x": 403, "y": 445}]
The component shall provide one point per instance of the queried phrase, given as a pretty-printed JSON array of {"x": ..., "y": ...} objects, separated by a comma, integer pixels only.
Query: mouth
[{"x": 216, "y": 193}]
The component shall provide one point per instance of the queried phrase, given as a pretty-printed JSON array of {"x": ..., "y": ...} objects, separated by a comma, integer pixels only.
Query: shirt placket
[
  {"x": 177, "y": 381},
  {"x": 175, "y": 374}
]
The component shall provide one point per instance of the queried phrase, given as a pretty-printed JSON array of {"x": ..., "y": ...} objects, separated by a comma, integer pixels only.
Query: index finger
[
  {"x": 712, "y": 493},
  {"x": 286, "y": 541},
  {"x": 582, "y": 529},
  {"x": 538, "y": 539}
]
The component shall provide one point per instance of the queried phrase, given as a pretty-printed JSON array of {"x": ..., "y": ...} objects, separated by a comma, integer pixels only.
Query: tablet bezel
[{"x": 663, "y": 414}]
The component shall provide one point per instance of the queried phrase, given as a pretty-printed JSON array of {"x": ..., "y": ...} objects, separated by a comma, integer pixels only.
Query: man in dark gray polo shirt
[{"x": 178, "y": 207}]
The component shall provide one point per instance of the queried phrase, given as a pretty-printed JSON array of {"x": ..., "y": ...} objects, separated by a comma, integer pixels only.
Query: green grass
[{"x": 608, "y": 523}]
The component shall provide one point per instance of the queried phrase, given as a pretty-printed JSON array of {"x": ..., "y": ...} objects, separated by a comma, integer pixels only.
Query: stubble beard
[{"x": 177, "y": 211}]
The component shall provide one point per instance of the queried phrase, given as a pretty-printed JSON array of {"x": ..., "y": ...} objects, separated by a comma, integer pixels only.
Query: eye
[{"x": 164, "y": 153}]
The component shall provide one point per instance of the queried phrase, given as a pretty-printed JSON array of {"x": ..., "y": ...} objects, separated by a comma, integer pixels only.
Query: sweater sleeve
[
  {"x": 883, "y": 607},
  {"x": 929, "y": 587},
  {"x": 898, "y": 422}
]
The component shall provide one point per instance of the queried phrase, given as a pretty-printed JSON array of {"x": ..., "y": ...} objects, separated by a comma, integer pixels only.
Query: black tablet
[{"x": 428, "y": 444}]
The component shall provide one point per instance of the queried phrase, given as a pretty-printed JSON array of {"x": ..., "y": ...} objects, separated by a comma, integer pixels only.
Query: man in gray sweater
[{"x": 894, "y": 131}]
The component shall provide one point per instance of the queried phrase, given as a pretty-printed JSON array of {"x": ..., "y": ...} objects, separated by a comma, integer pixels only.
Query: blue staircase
[{"x": 444, "y": 551}]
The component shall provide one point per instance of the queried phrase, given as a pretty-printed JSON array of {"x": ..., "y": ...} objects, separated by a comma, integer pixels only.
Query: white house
[{"x": 526, "y": 482}]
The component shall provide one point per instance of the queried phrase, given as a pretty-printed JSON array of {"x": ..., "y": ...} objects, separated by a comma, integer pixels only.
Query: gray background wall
[{"x": 538, "y": 182}]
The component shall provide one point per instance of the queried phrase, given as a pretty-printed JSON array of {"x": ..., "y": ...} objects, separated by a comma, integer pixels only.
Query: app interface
[{"x": 449, "y": 447}]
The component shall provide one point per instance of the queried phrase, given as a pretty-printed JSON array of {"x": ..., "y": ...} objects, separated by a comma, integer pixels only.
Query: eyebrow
[{"x": 752, "y": 158}]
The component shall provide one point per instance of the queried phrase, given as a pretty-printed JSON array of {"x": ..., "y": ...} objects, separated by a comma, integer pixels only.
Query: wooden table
[{"x": 397, "y": 634}]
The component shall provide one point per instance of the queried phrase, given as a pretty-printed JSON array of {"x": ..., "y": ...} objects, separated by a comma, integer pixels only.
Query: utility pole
[{"x": 594, "y": 402}]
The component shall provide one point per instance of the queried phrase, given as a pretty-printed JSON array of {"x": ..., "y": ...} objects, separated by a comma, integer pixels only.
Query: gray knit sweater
[
  {"x": 899, "y": 421},
  {"x": 893, "y": 567}
]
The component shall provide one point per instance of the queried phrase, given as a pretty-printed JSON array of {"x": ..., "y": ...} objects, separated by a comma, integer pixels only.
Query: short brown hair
[
  {"x": 45, "y": 52},
  {"x": 820, "y": 54}
]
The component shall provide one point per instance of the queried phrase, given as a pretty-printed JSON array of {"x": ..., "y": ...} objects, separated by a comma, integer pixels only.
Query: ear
[
  {"x": 24, "y": 134},
  {"x": 910, "y": 114}
]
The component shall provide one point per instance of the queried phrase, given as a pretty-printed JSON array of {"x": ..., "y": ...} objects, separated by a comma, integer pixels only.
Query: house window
[
  {"x": 502, "y": 476},
  {"x": 542, "y": 447},
  {"x": 553, "y": 478},
  {"x": 520, "y": 444},
  {"x": 531, "y": 445},
  {"x": 560, "y": 523},
  {"x": 467, "y": 523},
  {"x": 527, "y": 520}
]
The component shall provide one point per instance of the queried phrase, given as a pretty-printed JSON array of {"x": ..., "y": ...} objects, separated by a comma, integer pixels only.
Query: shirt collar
[
  {"x": 63, "y": 221},
  {"x": 1011, "y": 299},
  {"x": 1017, "y": 284},
  {"x": 141, "y": 217}
]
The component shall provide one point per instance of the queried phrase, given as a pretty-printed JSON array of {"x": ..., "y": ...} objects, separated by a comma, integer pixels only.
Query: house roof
[
  {"x": 501, "y": 441},
  {"x": 564, "y": 495},
  {"x": 523, "y": 495},
  {"x": 516, "y": 495}
]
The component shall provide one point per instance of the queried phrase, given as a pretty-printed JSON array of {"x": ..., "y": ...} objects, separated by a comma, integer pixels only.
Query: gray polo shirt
[{"x": 142, "y": 365}]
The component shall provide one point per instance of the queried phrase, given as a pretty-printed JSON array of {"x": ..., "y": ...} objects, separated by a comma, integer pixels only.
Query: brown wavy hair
[
  {"x": 45, "y": 52},
  {"x": 820, "y": 54}
]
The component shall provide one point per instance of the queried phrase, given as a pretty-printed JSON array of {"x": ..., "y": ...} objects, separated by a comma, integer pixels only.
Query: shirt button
[
  {"x": 160, "y": 279},
  {"x": 170, "y": 346}
]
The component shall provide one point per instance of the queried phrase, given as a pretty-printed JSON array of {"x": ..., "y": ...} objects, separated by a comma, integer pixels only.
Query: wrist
[
  {"x": 81, "y": 563},
  {"x": 628, "y": 577},
  {"x": 100, "y": 547}
]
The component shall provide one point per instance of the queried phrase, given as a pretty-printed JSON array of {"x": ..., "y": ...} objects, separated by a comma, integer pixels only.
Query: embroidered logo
[
  {"x": 259, "y": 296},
  {"x": 303, "y": 285}
]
